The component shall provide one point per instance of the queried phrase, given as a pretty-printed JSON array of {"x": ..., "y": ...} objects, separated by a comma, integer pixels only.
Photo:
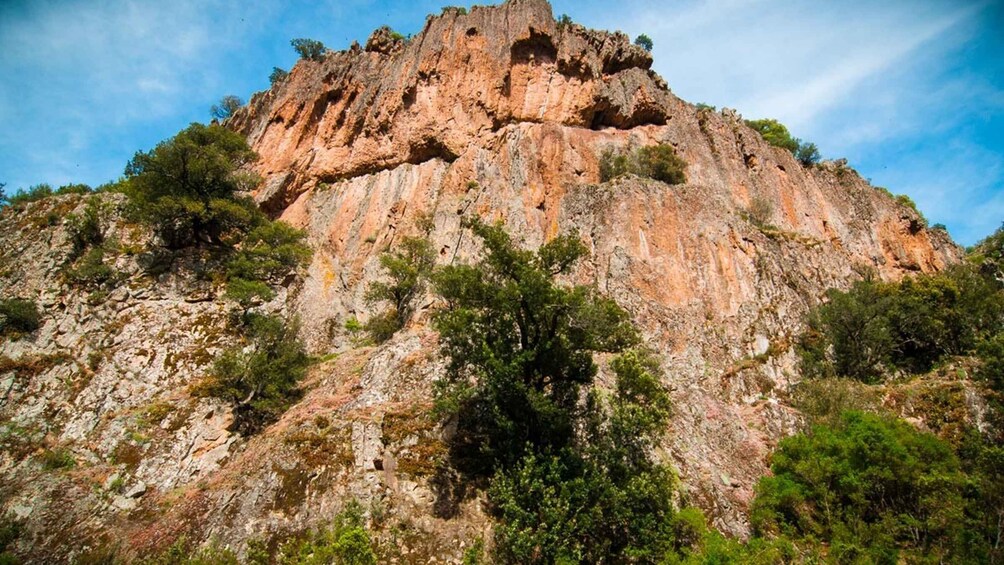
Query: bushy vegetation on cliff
[
  {"x": 658, "y": 162},
  {"x": 776, "y": 134},
  {"x": 865, "y": 486}
]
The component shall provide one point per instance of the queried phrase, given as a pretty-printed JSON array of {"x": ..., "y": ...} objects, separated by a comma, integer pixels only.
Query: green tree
[
  {"x": 774, "y": 133},
  {"x": 269, "y": 251},
  {"x": 187, "y": 187},
  {"x": 520, "y": 347},
  {"x": 259, "y": 377},
  {"x": 226, "y": 107},
  {"x": 849, "y": 335},
  {"x": 277, "y": 75},
  {"x": 644, "y": 41},
  {"x": 408, "y": 268},
  {"x": 309, "y": 49},
  {"x": 807, "y": 153}
]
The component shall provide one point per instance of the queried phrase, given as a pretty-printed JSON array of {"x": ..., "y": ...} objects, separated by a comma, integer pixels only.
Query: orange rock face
[{"x": 503, "y": 113}]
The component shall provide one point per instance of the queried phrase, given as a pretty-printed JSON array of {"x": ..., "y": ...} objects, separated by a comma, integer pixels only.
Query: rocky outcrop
[
  {"x": 460, "y": 80},
  {"x": 501, "y": 113}
]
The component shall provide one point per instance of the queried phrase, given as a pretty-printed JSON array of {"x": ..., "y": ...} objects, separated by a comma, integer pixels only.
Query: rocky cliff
[{"x": 501, "y": 113}]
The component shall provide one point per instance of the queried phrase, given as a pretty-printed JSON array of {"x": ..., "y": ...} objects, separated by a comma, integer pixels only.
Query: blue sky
[{"x": 911, "y": 92}]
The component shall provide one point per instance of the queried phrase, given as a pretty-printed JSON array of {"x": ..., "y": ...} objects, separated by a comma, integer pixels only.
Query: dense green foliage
[
  {"x": 988, "y": 256},
  {"x": 309, "y": 49},
  {"x": 520, "y": 347},
  {"x": 872, "y": 489},
  {"x": 186, "y": 187},
  {"x": 18, "y": 316},
  {"x": 876, "y": 328},
  {"x": 644, "y": 41},
  {"x": 269, "y": 251},
  {"x": 572, "y": 478},
  {"x": 408, "y": 268},
  {"x": 776, "y": 134},
  {"x": 934, "y": 504},
  {"x": 659, "y": 162},
  {"x": 226, "y": 107},
  {"x": 259, "y": 376}
]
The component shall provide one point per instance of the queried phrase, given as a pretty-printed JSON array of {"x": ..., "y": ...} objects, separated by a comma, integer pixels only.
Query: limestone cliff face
[
  {"x": 356, "y": 146},
  {"x": 354, "y": 149}
]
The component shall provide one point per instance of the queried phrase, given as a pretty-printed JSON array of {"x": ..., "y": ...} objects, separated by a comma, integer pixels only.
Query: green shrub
[
  {"x": 226, "y": 107},
  {"x": 644, "y": 41},
  {"x": 182, "y": 552},
  {"x": 459, "y": 10},
  {"x": 277, "y": 75},
  {"x": 87, "y": 229},
  {"x": 564, "y": 20},
  {"x": 873, "y": 488},
  {"x": 345, "y": 542},
  {"x": 701, "y": 106},
  {"x": 760, "y": 212},
  {"x": 90, "y": 270},
  {"x": 259, "y": 377},
  {"x": 186, "y": 187},
  {"x": 407, "y": 268},
  {"x": 18, "y": 316},
  {"x": 774, "y": 133},
  {"x": 56, "y": 459},
  {"x": 309, "y": 49},
  {"x": 658, "y": 162},
  {"x": 74, "y": 188}
]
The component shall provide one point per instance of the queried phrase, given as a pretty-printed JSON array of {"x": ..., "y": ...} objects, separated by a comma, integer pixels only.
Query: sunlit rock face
[{"x": 499, "y": 113}]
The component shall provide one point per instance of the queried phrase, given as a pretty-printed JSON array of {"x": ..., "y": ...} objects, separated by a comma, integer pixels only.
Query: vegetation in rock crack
[
  {"x": 187, "y": 187},
  {"x": 760, "y": 211},
  {"x": 226, "y": 107},
  {"x": 658, "y": 162},
  {"x": 572, "y": 478},
  {"x": 260, "y": 376},
  {"x": 407, "y": 268},
  {"x": 776, "y": 134},
  {"x": 309, "y": 49},
  {"x": 18, "y": 317},
  {"x": 645, "y": 42}
]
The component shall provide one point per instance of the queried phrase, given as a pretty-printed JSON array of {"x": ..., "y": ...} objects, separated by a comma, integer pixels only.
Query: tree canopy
[{"x": 187, "y": 187}]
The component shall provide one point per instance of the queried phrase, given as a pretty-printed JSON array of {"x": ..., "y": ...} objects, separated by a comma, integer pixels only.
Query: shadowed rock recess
[{"x": 499, "y": 113}]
